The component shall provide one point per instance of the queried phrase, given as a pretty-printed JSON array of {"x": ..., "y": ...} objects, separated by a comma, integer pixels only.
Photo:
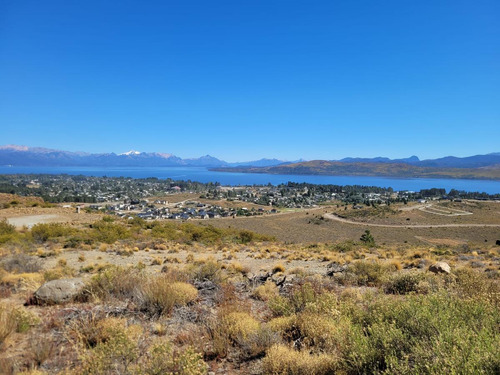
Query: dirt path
[{"x": 346, "y": 221}]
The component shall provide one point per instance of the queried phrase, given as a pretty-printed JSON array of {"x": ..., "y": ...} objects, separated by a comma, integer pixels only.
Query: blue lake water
[{"x": 234, "y": 179}]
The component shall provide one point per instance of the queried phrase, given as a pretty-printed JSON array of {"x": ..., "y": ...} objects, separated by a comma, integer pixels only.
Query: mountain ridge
[{"x": 17, "y": 155}]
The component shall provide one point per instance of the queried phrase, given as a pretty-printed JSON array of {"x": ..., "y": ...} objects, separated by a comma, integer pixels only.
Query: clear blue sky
[{"x": 242, "y": 80}]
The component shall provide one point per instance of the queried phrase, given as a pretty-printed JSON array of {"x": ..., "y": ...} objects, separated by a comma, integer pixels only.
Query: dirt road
[{"x": 346, "y": 221}]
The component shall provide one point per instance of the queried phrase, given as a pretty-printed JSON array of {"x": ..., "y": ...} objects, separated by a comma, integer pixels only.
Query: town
[{"x": 153, "y": 198}]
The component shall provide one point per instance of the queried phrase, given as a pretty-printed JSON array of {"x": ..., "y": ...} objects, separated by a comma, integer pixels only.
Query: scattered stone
[
  {"x": 58, "y": 291},
  {"x": 465, "y": 257},
  {"x": 278, "y": 278},
  {"x": 477, "y": 264},
  {"x": 334, "y": 268},
  {"x": 260, "y": 278},
  {"x": 440, "y": 267},
  {"x": 422, "y": 264}
]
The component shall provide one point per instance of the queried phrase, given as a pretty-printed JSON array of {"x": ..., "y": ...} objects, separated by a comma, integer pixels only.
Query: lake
[{"x": 234, "y": 179}]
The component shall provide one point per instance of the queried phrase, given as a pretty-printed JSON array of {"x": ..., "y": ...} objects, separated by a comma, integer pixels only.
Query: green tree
[{"x": 367, "y": 238}]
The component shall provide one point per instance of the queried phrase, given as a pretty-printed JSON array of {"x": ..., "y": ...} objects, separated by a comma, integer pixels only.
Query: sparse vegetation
[{"x": 183, "y": 298}]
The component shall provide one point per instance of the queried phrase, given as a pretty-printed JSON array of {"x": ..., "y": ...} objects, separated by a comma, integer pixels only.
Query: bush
[
  {"x": 436, "y": 333},
  {"x": 206, "y": 270},
  {"x": 6, "y": 228},
  {"x": 161, "y": 295},
  {"x": 21, "y": 263},
  {"x": 240, "y": 325},
  {"x": 15, "y": 319},
  {"x": 108, "y": 232},
  {"x": 117, "y": 282},
  {"x": 365, "y": 273},
  {"x": 115, "y": 353},
  {"x": 44, "y": 232},
  {"x": 367, "y": 238},
  {"x": 266, "y": 291},
  {"x": 296, "y": 302},
  {"x": 404, "y": 282},
  {"x": 246, "y": 236},
  {"x": 8, "y": 322},
  {"x": 7, "y": 231},
  {"x": 162, "y": 359},
  {"x": 281, "y": 360}
]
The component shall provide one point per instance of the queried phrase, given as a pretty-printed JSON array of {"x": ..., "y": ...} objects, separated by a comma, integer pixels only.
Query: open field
[
  {"x": 434, "y": 213},
  {"x": 315, "y": 226}
]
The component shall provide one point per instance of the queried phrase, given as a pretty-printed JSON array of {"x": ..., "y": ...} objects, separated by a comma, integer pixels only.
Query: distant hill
[
  {"x": 384, "y": 169},
  {"x": 475, "y": 161},
  {"x": 411, "y": 160}
]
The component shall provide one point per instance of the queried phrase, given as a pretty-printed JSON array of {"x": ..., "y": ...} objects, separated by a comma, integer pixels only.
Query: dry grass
[{"x": 282, "y": 360}]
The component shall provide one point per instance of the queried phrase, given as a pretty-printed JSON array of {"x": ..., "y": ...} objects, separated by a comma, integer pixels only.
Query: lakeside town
[{"x": 153, "y": 198}]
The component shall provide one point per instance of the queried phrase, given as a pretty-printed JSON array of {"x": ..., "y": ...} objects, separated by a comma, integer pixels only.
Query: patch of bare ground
[
  {"x": 20, "y": 216},
  {"x": 433, "y": 213},
  {"x": 309, "y": 227}
]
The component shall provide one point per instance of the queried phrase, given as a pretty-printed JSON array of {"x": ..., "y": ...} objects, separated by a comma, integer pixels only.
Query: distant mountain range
[
  {"x": 43, "y": 157},
  {"x": 478, "y": 166}
]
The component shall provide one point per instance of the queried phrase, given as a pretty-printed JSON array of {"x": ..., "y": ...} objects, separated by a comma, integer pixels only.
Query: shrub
[
  {"x": 21, "y": 263},
  {"x": 162, "y": 359},
  {"x": 116, "y": 282},
  {"x": 44, "y": 232},
  {"x": 278, "y": 268},
  {"x": 365, "y": 273},
  {"x": 114, "y": 354},
  {"x": 8, "y": 322},
  {"x": 58, "y": 273},
  {"x": 161, "y": 295},
  {"x": 367, "y": 238},
  {"x": 205, "y": 270},
  {"x": 474, "y": 284},
  {"x": 15, "y": 319},
  {"x": 281, "y": 360},
  {"x": 404, "y": 282},
  {"x": 108, "y": 232},
  {"x": 437, "y": 333},
  {"x": 296, "y": 302},
  {"x": 266, "y": 291},
  {"x": 240, "y": 325},
  {"x": 246, "y": 236}
]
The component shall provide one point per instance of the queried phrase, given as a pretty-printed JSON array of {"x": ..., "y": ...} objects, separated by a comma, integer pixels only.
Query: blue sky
[{"x": 242, "y": 80}]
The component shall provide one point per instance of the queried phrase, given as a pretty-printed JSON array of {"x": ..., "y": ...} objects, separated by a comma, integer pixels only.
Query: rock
[
  {"x": 477, "y": 264},
  {"x": 334, "y": 268},
  {"x": 422, "y": 264},
  {"x": 261, "y": 278},
  {"x": 278, "y": 278},
  {"x": 59, "y": 291},
  {"x": 440, "y": 267},
  {"x": 497, "y": 242}
]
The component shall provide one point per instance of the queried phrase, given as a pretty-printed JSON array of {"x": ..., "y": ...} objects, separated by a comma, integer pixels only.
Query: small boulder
[
  {"x": 58, "y": 291},
  {"x": 335, "y": 268},
  {"x": 440, "y": 267}
]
